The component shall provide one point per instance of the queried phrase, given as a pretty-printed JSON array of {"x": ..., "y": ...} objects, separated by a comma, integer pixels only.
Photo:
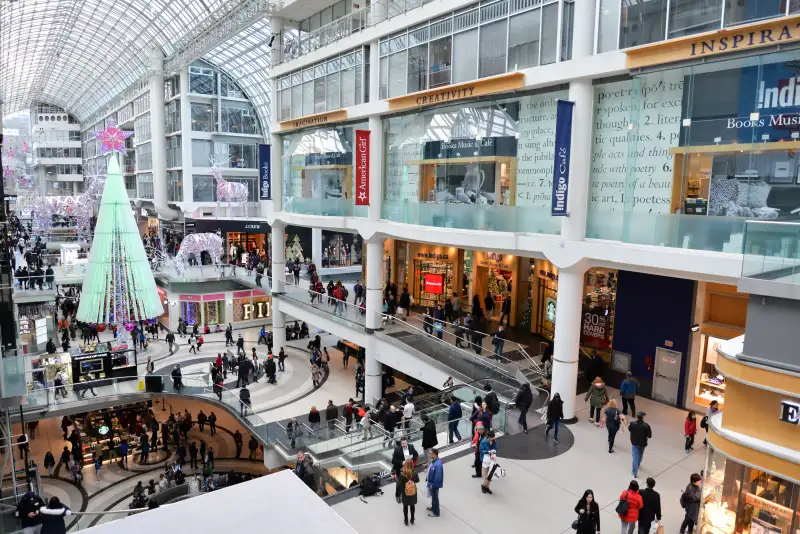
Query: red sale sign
[
  {"x": 362, "y": 167},
  {"x": 434, "y": 283}
]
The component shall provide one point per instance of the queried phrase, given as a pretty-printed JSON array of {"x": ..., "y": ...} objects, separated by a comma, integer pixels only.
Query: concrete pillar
[
  {"x": 375, "y": 167},
  {"x": 316, "y": 247},
  {"x": 374, "y": 66},
  {"x": 566, "y": 343},
  {"x": 186, "y": 134},
  {"x": 276, "y": 26},
  {"x": 158, "y": 141},
  {"x": 277, "y": 172},
  {"x": 373, "y": 370},
  {"x": 278, "y": 280},
  {"x": 582, "y": 93}
]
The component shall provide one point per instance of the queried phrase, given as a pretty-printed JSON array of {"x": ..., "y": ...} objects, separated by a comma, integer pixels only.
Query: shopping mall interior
[{"x": 448, "y": 266}]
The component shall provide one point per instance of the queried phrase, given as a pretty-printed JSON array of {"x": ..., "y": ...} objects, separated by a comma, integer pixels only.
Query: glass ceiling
[{"x": 80, "y": 54}]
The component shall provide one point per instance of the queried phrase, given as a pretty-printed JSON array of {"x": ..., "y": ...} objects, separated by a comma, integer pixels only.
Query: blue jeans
[
  {"x": 553, "y": 423},
  {"x": 638, "y": 454},
  {"x": 452, "y": 430},
  {"x": 435, "y": 501}
]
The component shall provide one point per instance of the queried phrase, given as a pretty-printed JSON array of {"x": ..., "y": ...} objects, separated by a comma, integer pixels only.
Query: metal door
[{"x": 667, "y": 375}]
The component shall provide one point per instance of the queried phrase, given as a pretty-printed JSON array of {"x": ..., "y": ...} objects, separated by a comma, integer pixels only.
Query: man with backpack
[
  {"x": 491, "y": 400},
  {"x": 690, "y": 501}
]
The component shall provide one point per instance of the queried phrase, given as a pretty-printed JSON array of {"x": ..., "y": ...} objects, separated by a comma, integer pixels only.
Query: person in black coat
[
  {"x": 555, "y": 413},
  {"x": 588, "y": 514},
  {"x": 28, "y": 510},
  {"x": 651, "y": 507},
  {"x": 402, "y": 452},
  {"x": 405, "y": 475},
  {"x": 53, "y": 517},
  {"x": 524, "y": 400},
  {"x": 429, "y": 439}
]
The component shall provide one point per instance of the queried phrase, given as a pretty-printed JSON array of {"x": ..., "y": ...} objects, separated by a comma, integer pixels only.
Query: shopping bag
[
  {"x": 141, "y": 384},
  {"x": 656, "y": 528},
  {"x": 428, "y": 492}
]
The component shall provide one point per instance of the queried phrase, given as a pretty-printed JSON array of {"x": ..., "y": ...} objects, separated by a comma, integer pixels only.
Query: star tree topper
[{"x": 112, "y": 138}]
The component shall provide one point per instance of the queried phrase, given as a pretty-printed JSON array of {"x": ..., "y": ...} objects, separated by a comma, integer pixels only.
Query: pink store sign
[
  {"x": 191, "y": 298},
  {"x": 213, "y": 296},
  {"x": 241, "y": 294}
]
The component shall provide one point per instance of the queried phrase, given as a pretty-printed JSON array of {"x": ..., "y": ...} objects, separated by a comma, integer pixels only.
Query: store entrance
[{"x": 495, "y": 283}]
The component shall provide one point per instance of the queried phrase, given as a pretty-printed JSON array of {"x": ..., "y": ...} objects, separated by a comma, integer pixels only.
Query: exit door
[{"x": 667, "y": 375}]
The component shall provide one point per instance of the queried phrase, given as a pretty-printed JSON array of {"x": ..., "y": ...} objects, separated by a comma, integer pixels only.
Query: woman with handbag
[
  {"x": 588, "y": 511},
  {"x": 630, "y": 502}
]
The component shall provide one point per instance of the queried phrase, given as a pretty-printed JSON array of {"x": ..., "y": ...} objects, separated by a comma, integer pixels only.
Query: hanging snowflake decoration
[
  {"x": 112, "y": 138},
  {"x": 12, "y": 153},
  {"x": 25, "y": 148}
]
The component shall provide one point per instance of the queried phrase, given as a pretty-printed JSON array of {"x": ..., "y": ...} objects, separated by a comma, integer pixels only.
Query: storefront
[
  {"x": 44, "y": 368},
  {"x": 319, "y": 170},
  {"x": 247, "y": 235},
  {"x": 431, "y": 272},
  {"x": 118, "y": 362},
  {"x": 752, "y": 476},
  {"x": 251, "y": 305},
  {"x": 721, "y": 314},
  {"x": 37, "y": 324},
  {"x": 147, "y": 219},
  {"x": 341, "y": 249},
  {"x": 495, "y": 275},
  {"x": 208, "y": 309}
]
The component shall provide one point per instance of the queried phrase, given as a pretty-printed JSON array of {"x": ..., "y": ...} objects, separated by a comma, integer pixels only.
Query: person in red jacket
[
  {"x": 635, "y": 503},
  {"x": 689, "y": 430}
]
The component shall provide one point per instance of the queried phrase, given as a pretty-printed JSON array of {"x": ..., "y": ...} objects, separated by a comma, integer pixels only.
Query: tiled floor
[{"x": 539, "y": 495}]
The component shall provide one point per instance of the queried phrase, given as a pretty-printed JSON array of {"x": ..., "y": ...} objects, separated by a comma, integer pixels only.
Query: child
[
  {"x": 689, "y": 430},
  {"x": 98, "y": 463}
]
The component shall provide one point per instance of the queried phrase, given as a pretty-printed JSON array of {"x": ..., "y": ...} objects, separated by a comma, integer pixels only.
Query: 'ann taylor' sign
[
  {"x": 790, "y": 412},
  {"x": 757, "y": 35}
]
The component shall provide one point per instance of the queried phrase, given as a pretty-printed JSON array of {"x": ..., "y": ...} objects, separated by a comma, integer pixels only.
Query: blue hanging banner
[
  {"x": 264, "y": 172},
  {"x": 562, "y": 156}
]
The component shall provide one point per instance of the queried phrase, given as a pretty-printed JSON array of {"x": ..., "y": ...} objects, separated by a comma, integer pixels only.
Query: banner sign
[
  {"x": 362, "y": 167},
  {"x": 595, "y": 330},
  {"x": 264, "y": 172},
  {"x": 562, "y": 156},
  {"x": 434, "y": 283}
]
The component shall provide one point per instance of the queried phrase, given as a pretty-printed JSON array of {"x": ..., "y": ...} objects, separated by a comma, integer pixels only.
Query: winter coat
[
  {"x": 429, "y": 439},
  {"x": 634, "y": 505},
  {"x": 628, "y": 388},
  {"x": 555, "y": 410},
  {"x": 597, "y": 396},
  {"x": 407, "y": 500},
  {"x": 589, "y": 520},
  {"x": 398, "y": 457},
  {"x": 640, "y": 433},
  {"x": 454, "y": 412},
  {"x": 692, "y": 501},
  {"x": 331, "y": 413},
  {"x": 53, "y": 520},
  {"x": 524, "y": 398},
  {"x": 689, "y": 427},
  {"x": 436, "y": 474},
  {"x": 651, "y": 508},
  {"x": 28, "y": 504},
  {"x": 313, "y": 417},
  {"x": 269, "y": 366}
]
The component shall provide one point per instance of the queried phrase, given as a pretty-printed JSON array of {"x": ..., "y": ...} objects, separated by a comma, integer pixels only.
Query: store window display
[
  {"x": 743, "y": 500},
  {"x": 319, "y": 172},
  {"x": 468, "y": 166},
  {"x": 707, "y": 147}
]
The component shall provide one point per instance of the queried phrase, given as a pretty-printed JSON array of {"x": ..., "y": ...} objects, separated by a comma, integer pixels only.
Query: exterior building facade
[{"x": 57, "y": 154}]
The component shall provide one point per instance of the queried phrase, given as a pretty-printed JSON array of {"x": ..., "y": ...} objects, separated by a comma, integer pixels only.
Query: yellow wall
[{"x": 756, "y": 412}]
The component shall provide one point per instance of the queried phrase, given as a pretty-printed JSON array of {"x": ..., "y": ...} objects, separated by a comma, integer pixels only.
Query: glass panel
[
  {"x": 202, "y": 81},
  {"x": 523, "y": 40},
  {"x": 308, "y": 99},
  {"x": 397, "y": 74},
  {"x": 567, "y": 25},
  {"x": 549, "y": 34},
  {"x": 202, "y": 118},
  {"x": 332, "y": 96},
  {"x": 794, "y": 7},
  {"x": 417, "y": 68},
  {"x": 642, "y": 22},
  {"x": 348, "y": 83},
  {"x": 297, "y": 101},
  {"x": 608, "y": 26},
  {"x": 201, "y": 153},
  {"x": 384, "y": 77},
  {"x": 744, "y": 11},
  {"x": 694, "y": 16},
  {"x": 240, "y": 117},
  {"x": 465, "y": 56},
  {"x": 318, "y": 172},
  {"x": 203, "y": 189},
  {"x": 319, "y": 95},
  {"x": 441, "y": 58},
  {"x": 492, "y": 49}
]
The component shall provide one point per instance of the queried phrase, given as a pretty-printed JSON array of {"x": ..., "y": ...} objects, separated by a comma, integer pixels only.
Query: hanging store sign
[
  {"x": 595, "y": 329},
  {"x": 740, "y": 38},
  {"x": 459, "y": 91},
  {"x": 264, "y": 172},
  {"x": 320, "y": 119},
  {"x": 434, "y": 283},
  {"x": 790, "y": 412},
  {"x": 257, "y": 310},
  {"x": 563, "y": 154},
  {"x": 362, "y": 167}
]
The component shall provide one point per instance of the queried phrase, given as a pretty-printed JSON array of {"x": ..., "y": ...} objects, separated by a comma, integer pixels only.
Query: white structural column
[
  {"x": 276, "y": 26},
  {"x": 278, "y": 232},
  {"x": 158, "y": 142},
  {"x": 316, "y": 247},
  {"x": 186, "y": 134},
  {"x": 375, "y": 167},
  {"x": 566, "y": 342},
  {"x": 373, "y": 370}
]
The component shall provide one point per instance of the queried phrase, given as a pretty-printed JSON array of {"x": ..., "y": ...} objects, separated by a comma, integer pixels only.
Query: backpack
[
  {"x": 683, "y": 500},
  {"x": 410, "y": 488},
  {"x": 370, "y": 486},
  {"x": 704, "y": 422}
]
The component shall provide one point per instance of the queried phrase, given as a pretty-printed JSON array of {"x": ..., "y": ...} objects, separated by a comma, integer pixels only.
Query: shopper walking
[
  {"x": 640, "y": 433},
  {"x": 331, "y": 414},
  {"x": 690, "y": 502},
  {"x": 651, "y": 507},
  {"x": 555, "y": 413},
  {"x": 613, "y": 421},
  {"x": 597, "y": 396},
  {"x": 488, "y": 454},
  {"x": 628, "y": 390},
  {"x": 454, "y": 415},
  {"x": 435, "y": 482},
  {"x": 429, "y": 439},
  {"x": 407, "y": 481},
  {"x": 689, "y": 431},
  {"x": 712, "y": 409},
  {"x": 524, "y": 400},
  {"x": 630, "y": 502},
  {"x": 52, "y": 517},
  {"x": 588, "y": 511}
]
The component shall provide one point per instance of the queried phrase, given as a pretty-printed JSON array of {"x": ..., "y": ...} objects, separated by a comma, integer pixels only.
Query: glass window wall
[
  {"x": 236, "y": 155},
  {"x": 683, "y": 158},
  {"x": 468, "y": 166},
  {"x": 202, "y": 117},
  {"x": 144, "y": 157},
  {"x": 202, "y": 152},
  {"x": 202, "y": 80},
  {"x": 319, "y": 172},
  {"x": 229, "y": 88},
  {"x": 174, "y": 156},
  {"x": 175, "y": 186},
  {"x": 239, "y": 118},
  {"x": 172, "y": 116},
  {"x": 204, "y": 188},
  {"x": 145, "y": 181}
]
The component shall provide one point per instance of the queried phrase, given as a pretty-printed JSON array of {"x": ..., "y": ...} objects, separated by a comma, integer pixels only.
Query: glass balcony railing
[
  {"x": 329, "y": 207},
  {"x": 772, "y": 251},
  {"x": 697, "y": 232},
  {"x": 473, "y": 217}
]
